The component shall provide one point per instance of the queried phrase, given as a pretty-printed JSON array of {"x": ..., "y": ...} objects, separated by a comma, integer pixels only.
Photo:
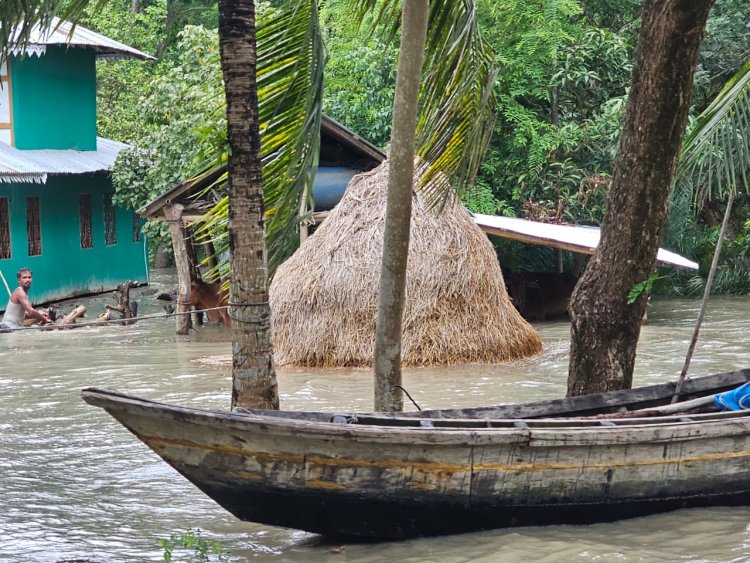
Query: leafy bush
[{"x": 199, "y": 549}]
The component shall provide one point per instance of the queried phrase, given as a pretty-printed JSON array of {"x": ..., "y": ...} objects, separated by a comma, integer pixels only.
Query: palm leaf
[
  {"x": 290, "y": 87},
  {"x": 458, "y": 105},
  {"x": 716, "y": 152},
  {"x": 457, "y": 102}
]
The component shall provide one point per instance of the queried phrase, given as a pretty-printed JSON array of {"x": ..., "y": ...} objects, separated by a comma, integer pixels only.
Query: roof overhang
[
  {"x": 62, "y": 33},
  {"x": 34, "y": 166},
  {"x": 184, "y": 194},
  {"x": 575, "y": 238}
]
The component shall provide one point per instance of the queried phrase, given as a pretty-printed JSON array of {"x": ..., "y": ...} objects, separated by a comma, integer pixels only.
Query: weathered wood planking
[{"x": 382, "y": 481}]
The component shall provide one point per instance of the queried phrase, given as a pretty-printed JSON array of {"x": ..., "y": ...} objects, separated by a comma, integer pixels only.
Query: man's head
[{"x": 24, "y": 278}]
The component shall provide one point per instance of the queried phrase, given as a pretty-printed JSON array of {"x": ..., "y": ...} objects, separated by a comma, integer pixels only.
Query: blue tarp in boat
[{"x": 735, "y": 400}]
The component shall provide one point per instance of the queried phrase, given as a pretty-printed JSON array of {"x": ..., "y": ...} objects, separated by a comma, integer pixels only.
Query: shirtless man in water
[{"x": 19, "y": 307}]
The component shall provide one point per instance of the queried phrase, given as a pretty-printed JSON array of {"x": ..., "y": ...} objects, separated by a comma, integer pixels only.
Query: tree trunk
[
  {"x": 387, "y": 356},
  {"x": 253, "y": 374},
  {"x": 604, "y": 328}
]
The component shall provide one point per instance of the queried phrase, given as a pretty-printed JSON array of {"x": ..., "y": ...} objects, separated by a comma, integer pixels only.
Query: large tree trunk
[
  {"x": 387, "y": 355},
  {"x": 253, "y": 374},
  {"x": 605, "y": 329}
]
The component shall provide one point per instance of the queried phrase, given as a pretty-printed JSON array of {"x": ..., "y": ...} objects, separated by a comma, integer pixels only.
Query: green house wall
[
  {"x": 64, "y": 269},
  {"x": 54, "y": 100}
]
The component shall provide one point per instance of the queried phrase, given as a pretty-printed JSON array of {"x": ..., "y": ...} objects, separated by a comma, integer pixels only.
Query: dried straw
[{"x": 324, "y": 298}]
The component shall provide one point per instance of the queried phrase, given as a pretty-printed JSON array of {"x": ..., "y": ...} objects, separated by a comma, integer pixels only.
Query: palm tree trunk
[
  {"x": 604, "y": 327},
  {"x": 387, "y": 356},
  {"x": 253, "y": 373}
]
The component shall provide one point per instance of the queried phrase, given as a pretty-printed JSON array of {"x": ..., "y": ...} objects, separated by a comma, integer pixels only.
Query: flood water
[{"x": 74, "y": 484}]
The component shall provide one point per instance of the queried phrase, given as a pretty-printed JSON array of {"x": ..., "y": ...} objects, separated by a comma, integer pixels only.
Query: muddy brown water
[{"x": 74, "y": 484}]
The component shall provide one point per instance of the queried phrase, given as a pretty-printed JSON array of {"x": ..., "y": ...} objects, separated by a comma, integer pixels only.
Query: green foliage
[
  {"x": 182, "y": 119},
  {"x": 642, "y": 287},
  {"x": 289, "y": 84},
  {"x": 699, "y": 242},
  {"x": 724, "y": 50},
  {"x": 456, "y": 100},
  {"x": 612, "y": 14},
  {"x": 122, "y": 84},
  {"x": 200, "y": 550},
  {"x": 714, "y": 161},
  {"x": 561, "y": 97},
  {"x": 360, "y": 82},
  {"x": 481, "y": 199},
  {"x": 527, "y": 36},
  {"x": 590, "y": 72},
  {"x": 360, "y": 74}
]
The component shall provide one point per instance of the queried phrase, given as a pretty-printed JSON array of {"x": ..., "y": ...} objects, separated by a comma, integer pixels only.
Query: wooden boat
[{"x": 449, "y": 471}]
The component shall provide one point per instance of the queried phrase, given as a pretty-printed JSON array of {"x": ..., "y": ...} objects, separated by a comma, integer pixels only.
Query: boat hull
[
  {"x": 345, "y": 517},
  {"x": 350, "y": 481}
]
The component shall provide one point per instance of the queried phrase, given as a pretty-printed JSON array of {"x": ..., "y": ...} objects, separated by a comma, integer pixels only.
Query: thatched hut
[{"x": 324, "y": 298}]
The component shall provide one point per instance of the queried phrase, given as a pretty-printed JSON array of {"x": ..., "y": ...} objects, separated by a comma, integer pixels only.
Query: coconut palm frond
[
  {"x": 290, "y": 93},
  {"x": 290, "y": 88},
  {"x": 457, "y": 101},
  {"x": 716, "y": 152}
]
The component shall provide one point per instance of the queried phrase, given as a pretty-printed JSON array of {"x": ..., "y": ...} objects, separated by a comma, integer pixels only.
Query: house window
[
  {"x": 4, "y": 229},
  {"x": 136, "y": 227},
  {"x": 110, "y": 232},
  {"x": 33, "y": 226},
  {"x": 85, "y": 218}
]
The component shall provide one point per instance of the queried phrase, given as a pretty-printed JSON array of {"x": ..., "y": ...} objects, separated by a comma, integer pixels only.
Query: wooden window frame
[
  {"x": 5, "y": 247},
  {"x": 85, "y": 221},
  {"x": 34, "y": 226},
  {"x": 136, "y": 227},
  {"x": 110, "y": 220}
]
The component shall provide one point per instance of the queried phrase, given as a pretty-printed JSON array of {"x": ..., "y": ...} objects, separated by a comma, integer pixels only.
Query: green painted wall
[
  {"x": 64, "y": 269},
  {"x": 54, "y": 100}
]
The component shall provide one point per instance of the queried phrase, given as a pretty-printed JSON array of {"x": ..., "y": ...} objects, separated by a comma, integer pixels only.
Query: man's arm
[{"x": 32, "y": 313}]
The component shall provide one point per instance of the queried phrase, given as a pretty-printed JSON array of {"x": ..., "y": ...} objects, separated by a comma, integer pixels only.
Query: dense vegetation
[{"x": 564, "y": 74}]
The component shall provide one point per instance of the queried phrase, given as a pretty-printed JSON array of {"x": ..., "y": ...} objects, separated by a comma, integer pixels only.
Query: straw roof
[{"x": 324, "y": 298}]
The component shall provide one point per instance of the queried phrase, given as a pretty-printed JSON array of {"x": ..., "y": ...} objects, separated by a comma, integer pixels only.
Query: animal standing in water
[{"x": 209, "y": 296}]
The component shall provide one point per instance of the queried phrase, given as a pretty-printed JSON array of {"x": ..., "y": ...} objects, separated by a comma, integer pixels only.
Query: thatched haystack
[{"x": 324, "y": 298}]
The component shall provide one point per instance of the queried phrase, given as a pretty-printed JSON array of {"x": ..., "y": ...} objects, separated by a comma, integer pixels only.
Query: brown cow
[{"x": 209, "y": 296}]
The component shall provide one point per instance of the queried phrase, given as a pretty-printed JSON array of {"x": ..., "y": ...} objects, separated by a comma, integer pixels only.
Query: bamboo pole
[
  {"x": 5, "y": 283},
  {"x": 706, "y": 293}
]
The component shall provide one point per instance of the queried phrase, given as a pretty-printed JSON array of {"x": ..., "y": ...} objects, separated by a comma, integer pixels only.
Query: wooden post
[
  {"x": 173, "y": 214},
  {"x": 192, "y": 256}
]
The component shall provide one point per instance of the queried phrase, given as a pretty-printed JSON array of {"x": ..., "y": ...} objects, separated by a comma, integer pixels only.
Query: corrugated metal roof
[
  {"x": 60, "y": 34},
  {"x": 33, "y": 166},
  {"x": 569, "y": 237}
]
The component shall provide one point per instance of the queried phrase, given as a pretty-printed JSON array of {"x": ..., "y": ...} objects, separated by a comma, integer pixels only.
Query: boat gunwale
[{"x": 651, "y": 431}]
